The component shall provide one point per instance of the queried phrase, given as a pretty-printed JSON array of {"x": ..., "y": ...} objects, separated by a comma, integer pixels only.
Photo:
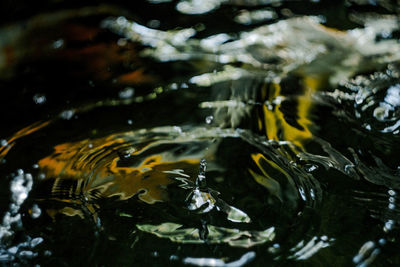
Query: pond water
[{"x": 200, "y": 133}]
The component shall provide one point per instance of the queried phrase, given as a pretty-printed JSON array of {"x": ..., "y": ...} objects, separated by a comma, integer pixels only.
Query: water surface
[{"x": 203, "y": 133}]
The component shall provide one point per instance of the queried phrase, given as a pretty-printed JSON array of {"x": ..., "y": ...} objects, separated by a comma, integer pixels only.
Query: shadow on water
[{"x": 204, "y": 133}]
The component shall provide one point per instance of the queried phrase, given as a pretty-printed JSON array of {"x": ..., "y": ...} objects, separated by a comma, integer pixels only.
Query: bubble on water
[
  {"x": 35, "y": 211},
  {"x": 39, "y": 99},
  {"x": 58, "y": 44},
  {"x": 126, "y": 93},
  {"x": 209, "y": 119},
  {"x": 35, "y": 166},
  {"x": 130, "y": 122}
]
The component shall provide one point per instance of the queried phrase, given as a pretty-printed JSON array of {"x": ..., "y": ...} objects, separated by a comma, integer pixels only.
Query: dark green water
[{"x": 203, "y": 133}]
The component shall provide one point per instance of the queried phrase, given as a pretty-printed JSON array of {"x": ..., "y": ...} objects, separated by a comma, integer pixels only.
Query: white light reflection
[
  {"x": 304, "y": 252},
  {"x": 246, "y": 258}
]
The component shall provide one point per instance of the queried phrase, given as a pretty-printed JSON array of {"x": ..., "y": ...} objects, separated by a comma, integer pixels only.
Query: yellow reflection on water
[{"x": 276, "y": 126}]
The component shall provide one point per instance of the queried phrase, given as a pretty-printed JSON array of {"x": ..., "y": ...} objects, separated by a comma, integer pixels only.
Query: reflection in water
[
  {"x": 233, "y": 237},
  {"x": 120, "y": 165},
  {"x": 298, "y": 137},
  {"x": 246, "y": 258}
]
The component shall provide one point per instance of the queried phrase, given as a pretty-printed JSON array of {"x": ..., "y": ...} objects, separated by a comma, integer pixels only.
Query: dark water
[{"x": 205, "y": 133}]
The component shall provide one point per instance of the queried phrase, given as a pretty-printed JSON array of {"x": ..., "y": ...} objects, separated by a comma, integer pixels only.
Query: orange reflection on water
[
  {"x": 97, "y": 169},
  {"x": 21, "y": 133}
]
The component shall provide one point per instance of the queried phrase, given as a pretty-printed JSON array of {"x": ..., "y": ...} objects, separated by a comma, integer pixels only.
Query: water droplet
[
  {"x": 392, "y": 192},
  {"x": 67, "y": 114},
  {"x": 209, "y": 119},
  {"x": 35, "y": 166},
  {"x": 391, "y": 206},
  {"x": 155, "y": 254},
  {"x": 201, "y": 178},
  {"x": 39, "y": 99},
  {"x": 388, "y": 225},
  {"x": 174, "y": 86},
  {"x": 58, "y": 44},
  {"x": 35, "y": 211},
  {"x": 128, "y": 92},
  {"x": 382, "y": 241},
  {"x": 130, "y": 122},
  {"x": 349, "y": 168},
  {"x": 3, "y": 142},
  {"x": 184, "y": 85}
]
